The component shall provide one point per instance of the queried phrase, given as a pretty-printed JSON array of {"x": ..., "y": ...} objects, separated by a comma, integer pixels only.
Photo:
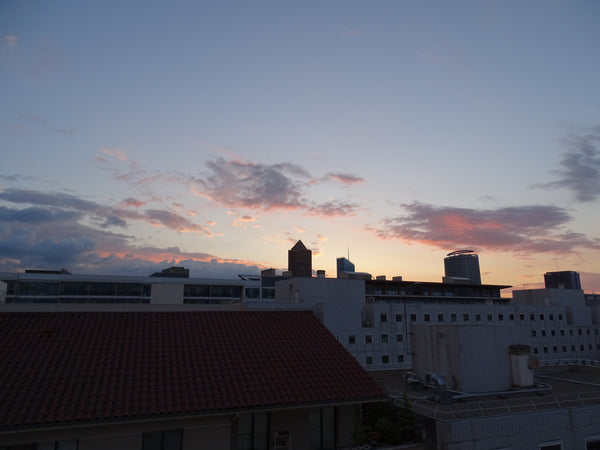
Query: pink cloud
[{"x": 535, "y": 228}]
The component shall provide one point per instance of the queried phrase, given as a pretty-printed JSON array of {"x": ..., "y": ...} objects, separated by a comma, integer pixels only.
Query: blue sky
[{"x": 138, "y": 135}]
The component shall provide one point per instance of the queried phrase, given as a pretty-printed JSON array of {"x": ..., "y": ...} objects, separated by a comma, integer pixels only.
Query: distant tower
[
  {"x": 300, "y": 261},
  {"x": 562, "y": 280},
  {"x": 344, "y": 265},
  {"x": 463, "y": 265}
]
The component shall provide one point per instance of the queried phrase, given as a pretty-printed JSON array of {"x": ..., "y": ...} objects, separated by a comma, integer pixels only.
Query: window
[
  {"x": 427, "y": 318},
  {"x": 383, "y": 317},
  {"x": 579, "y": 332},
  {"x": 521, "y": 316},
  {"x": 562, "y": 332},
  {"x": 368, "y": 339},
  {"x": 501, "y": 317},
  {"x": 532, "y": 317},
  {"x": 543, "y": 332},
  {"x": 564, "y": 348},
  {"x": 553, "y": 332},
  {"x": 163, "y": 440},
  {"x": 400, "y": 358},
  {"x": 560, "y": 317},
  {"x": 440, "y": 317},
  {"x": 453, "y": 317},
  {"x": 551, "y": 316},
  {"x": 322, "y": 428},
  {"x": 545, "y": 349},
  {"x": 541, "y": 317},
  {"x": 554, "y": 348},
  {"x": 535, "y": 350},
  {"x": 399, "y": 338},
  {"x": 369, "y": 360},
  {"x": 384, "y": 338},
  {"x": 398, "y": 317},
  {"x": 533, "y": 333},
  {"x": 385, "y": 359},
  {"x": 465, "y": 317},
  {"x": 489, "y": 317},
  {"x": 571, "y": 332},
  {"x": 413, "y": 317},
  {"x": 478, "y": 317},
  {"x": 351, "y": 339},
  {"x": 511, "y": 317}
]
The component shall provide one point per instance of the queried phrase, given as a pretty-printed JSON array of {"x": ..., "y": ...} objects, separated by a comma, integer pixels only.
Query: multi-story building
[
  {"x": 462, "y": 265},
  {"x": 300, "y": 261}
]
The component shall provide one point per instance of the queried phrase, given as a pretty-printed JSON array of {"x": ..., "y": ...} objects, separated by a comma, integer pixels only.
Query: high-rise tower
[
  {"x": 344, "y": 265},
  {"x": 300, "y": 260},
  {"x": 463, "y": 265}
]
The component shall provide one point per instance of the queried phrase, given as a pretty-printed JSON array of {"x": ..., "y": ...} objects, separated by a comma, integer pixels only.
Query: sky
[{"x": 141, "y": 135}]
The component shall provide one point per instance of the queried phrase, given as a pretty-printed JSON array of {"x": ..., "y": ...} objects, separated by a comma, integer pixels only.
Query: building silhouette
[
  {"x": 344, "y": 265},
  {"x": 300, "y": 261},
  {"x": 562, "y": 280},
  {"x": 462, "y": 265}
]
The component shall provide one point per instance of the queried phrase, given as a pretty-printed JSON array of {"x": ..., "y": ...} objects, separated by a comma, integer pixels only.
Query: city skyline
[{"x": 215, "y": 136}]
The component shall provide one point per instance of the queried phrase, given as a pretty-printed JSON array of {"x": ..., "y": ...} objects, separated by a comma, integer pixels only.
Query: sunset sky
[{"x": 137, "y": 135}]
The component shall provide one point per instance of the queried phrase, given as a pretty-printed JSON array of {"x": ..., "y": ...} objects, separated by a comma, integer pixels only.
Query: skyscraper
[
  {"x": 300, "y": 260},
  {"x": 464, "y": 265},
  {"x": 344, "y": 265}
]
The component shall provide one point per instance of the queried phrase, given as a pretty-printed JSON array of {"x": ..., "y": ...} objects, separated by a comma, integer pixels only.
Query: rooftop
[
  {"x": 567, "y": 386},
  {"x": 81, "y": 367}
]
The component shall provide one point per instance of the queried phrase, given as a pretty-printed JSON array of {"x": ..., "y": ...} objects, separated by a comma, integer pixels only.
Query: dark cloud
[
  {"x": 580, "y": 166},
  {"x": 173, "y": 221},
  {"x": 536, "y": 228},
  {"x": 251, "y": 185},
  {"x": 36, "y": 215}
]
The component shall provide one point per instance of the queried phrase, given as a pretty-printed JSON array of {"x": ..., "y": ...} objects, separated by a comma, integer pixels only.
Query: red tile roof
[{"x": 85, "y": 366}]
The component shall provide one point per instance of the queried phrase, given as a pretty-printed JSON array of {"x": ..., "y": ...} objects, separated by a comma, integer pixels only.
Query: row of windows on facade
[
  {"x": 544, "y": 333},
  {"x": 466, "y": 317},
  {"x": 564, "y": 348},
  {"x": 385, "y": 359},
  {"x": 384, "y": 338},
  {"x": 250, "y": 432}
]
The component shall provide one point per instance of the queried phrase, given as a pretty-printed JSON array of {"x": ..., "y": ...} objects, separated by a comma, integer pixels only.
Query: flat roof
[{"x": 569, "y": 386}]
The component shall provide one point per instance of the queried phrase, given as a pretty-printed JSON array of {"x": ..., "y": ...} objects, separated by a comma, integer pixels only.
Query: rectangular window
[
  {"x": 541, "y": 317},
  {"x": 400, "y": 358},
  {"x": 553, "y": 332},
  {"x": 533, "y": 333},
  {"x": 489, "y": 318},
  {"x": 500, "y": 317},
  {"x": 351, "y": 339},
  {"x": 399, "y": 338},
  {"x": 551, "y": 316},
  {"x": 162, "y": 440},
  {"x": 465, "y": 317},
  {"x": 543, "y": 332},
  {"x": 532, "y": 317},
  {"x": 383, "y": 317},
  {"x": 427, "y": 317},
  {"x": 385, "y": 359},
  {"x": 368, "y": 339},
  {"x": 560, "y": 317},
  {"x": 384, "y": 338},
  {"x": 369, "y": 360},
  {"x": 413, "y": 317},
  {"x": 521, "y": 317},
  {"x": 440, "y": 317},
  {"x": 478, "y": 317},
  {"x": 398, "y": 317},
  {"x": 322, "y": 428},
  {"x": 511, "y": 317},
  {"x": 453, "y": 317}
]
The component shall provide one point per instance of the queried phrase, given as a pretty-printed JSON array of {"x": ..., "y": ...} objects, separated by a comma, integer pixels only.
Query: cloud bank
[{"x": 533, "y": 229}]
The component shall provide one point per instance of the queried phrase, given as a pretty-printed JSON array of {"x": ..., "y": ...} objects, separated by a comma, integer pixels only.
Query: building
[
  {"x": 344, "y": 266},
  {"x": 176, "y": 380},
  {"x": 463, "y": 266},
  {"x": 562, "y": 280},
  {"x": 171, "y": 286},
  {"x": 300, "y": 261}
]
